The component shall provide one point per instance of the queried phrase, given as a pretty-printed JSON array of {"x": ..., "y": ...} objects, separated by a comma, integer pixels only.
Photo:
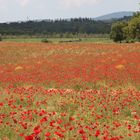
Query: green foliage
[
  {"x": 129, "y": 31},
  {"x": 0, "y": 37},
  {"x": 117, "y": 33},
  {"x": 134, "y": 27},
  {"x": 45, "y": 40}
]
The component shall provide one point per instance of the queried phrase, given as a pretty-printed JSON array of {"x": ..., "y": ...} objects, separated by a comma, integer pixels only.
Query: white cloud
[
  {"x": 2, "y": 5},
  {"x": 20, "y": 2},
  {"x": 23, "y": 3},
  {"x": 77, "y": 3}
]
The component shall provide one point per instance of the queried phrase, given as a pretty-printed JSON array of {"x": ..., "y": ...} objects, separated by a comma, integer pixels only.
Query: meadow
[{"x": 69, "y": 91}]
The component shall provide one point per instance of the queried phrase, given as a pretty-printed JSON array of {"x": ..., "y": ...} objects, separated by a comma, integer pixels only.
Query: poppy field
[{"x": 69, "y": 91}]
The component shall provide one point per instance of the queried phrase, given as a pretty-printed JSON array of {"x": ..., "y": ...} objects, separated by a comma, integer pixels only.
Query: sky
[{"x": 22, "y": 10}]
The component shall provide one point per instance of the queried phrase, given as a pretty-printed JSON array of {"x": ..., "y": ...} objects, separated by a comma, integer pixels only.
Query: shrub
[
  {"x": 0, "y": 37},
  {"x": 132, "y": 41},
  {"x": 45, "y": 40},
  {"x": 117, "y": 33}
]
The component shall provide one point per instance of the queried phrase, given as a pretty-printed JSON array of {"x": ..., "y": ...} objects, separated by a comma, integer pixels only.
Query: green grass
[
  {"x": 97, "y": 40},
  {"x": 57, "y": 40},
  {"x": 22, "y": 40}
]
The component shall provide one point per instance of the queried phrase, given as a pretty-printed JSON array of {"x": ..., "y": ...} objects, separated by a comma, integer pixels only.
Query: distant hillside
[{"x": 116, "y": 15}]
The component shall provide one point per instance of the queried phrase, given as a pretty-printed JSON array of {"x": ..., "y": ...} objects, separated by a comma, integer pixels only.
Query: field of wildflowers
[{"x": 81, "y": 91}]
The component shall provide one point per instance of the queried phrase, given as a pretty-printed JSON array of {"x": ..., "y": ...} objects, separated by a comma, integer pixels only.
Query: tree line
[
  {"x": 128, "y": 31},
  {"x": 50, "y": 27},
  {"x": 58, "y": 28}
]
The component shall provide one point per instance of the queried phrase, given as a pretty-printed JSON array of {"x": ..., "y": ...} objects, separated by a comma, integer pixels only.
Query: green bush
[
  {"x": 0, "y": 37},
  {"x": 117, "y": 33},
  {"x": 45, "y": 40},
  {"x": 132, "y": 41}
]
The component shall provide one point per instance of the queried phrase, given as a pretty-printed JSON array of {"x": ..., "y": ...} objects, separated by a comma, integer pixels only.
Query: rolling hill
[{"x": 116, "y": 15}]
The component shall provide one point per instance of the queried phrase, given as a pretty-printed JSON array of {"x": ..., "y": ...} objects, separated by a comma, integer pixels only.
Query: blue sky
[{"x": 15, "y": 10}]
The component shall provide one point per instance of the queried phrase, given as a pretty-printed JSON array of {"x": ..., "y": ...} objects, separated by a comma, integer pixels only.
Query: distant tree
[
  {"x": 126, "y": 33},
  {"x": 117, "y": 31},
  {"x": 134, "y": 27},
  {"x": 0, "y": 37}
]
